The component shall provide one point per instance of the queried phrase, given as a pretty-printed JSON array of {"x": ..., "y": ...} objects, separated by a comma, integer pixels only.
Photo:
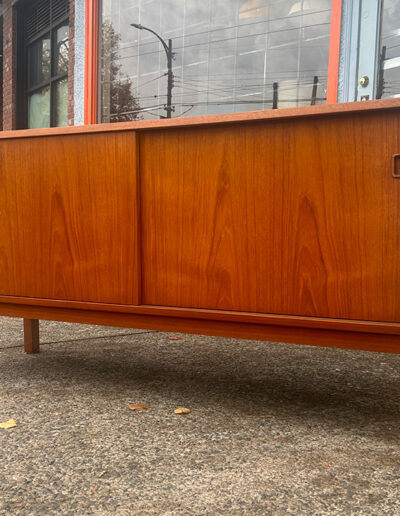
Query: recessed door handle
[{"x": 396, "y": 166}]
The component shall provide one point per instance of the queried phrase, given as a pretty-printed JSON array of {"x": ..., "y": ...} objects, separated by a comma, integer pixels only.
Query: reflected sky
[{"x": 228, "y": 55}]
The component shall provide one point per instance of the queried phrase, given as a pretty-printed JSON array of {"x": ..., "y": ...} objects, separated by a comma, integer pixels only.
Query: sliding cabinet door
[
  {"x": 68, "y": 218},
  {"x": 297, "y": 216}
]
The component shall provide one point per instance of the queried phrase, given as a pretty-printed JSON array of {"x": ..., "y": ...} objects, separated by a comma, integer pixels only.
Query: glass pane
[
  {"x": 39, "y": 62},
  {"x": 61, "y": 50},
  {"x": 39, "y": 109},
  {"x": 61, "y": 103},
  {"x": 228, "y": 55},
  {"x": 389, "y": 72}
]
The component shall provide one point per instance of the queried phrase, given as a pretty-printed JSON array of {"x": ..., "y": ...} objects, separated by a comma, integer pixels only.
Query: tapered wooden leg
[{"x": 31, "y": 336}]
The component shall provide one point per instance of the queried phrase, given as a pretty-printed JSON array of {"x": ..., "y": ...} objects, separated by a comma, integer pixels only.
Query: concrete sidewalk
[{"x": 275, "y": 429}]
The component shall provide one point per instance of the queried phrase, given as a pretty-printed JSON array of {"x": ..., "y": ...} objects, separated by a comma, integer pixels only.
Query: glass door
[{"x": 378, "y": 73}]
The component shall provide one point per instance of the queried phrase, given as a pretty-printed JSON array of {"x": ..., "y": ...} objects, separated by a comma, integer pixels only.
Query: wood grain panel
[
  {"x": 295, "y": 217},
  {"x": 69, "y": 218}
]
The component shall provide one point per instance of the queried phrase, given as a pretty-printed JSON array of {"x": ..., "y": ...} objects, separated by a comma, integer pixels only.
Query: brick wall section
[{"x": 10, "y": 64}]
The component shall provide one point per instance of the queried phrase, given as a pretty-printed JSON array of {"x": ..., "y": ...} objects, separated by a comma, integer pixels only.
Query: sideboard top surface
[{"x": 210, "y": 120}]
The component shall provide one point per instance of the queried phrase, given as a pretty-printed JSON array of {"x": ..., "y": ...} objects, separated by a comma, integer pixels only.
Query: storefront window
[{"x": 229, "y": 56}]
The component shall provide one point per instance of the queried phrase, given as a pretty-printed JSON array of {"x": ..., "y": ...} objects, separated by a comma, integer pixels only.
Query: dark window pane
[
  {"x": 61, "y": 103},
  {"x": 39, "y": 109},
  {"x": 46, "y": 61},
  {"x": 61, "y": 50},
  {"x": 39, "y": 62}
]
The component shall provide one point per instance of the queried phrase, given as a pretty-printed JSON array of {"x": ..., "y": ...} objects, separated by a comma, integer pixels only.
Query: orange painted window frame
[
  {"x": 92, "y": 56},
  {"x": 334, "y": 52},
  {"x": 91, "y": 60}
]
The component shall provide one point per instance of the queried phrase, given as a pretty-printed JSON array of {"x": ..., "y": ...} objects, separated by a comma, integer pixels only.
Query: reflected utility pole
[{"x": 170, "y": 55}]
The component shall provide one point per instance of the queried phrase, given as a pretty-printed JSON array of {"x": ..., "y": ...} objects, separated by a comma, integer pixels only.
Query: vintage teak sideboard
[{"x": 278, "y": 225}]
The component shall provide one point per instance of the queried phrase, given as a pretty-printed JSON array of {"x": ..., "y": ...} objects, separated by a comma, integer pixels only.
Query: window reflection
[
  {"x": 389, "y": 68},
  {"x": 61, "y": 102},
  {"x": 39, "y": 109},
  {"x": 228, "y": 55},
  {"x": 61, "y": 51},
  {"x": 39, "y": 59}
]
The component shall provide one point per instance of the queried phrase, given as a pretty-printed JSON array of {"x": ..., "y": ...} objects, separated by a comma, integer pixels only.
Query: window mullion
[{"x": 370, "y": 26}]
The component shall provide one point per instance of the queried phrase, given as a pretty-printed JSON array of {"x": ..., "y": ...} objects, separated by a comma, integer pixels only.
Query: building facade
[{"x": 70, "y": 62}]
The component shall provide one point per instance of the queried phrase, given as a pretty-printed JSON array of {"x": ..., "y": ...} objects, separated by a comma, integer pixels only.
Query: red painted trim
[
  {"x": 334, "y": 51},
  {"x": 91, "y": 60}
]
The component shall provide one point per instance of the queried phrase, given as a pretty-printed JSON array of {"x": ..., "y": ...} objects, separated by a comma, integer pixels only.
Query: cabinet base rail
[{"x": 381, "y": 337}]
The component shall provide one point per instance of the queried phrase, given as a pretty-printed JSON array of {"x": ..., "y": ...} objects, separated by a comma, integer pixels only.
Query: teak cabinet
[{"x": 281, "y": 225}]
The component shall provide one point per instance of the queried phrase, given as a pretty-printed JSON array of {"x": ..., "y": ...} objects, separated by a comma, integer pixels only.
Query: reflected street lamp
[{"x": 170, "y": 56}]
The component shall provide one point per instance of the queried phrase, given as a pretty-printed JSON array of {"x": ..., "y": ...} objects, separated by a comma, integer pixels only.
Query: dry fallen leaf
[
  {"x": 173, "y": 337},
  {"x": 8, "y": 424},
  {"x": 139, "y": 407},
  {"x": 182, "y": 410}
]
